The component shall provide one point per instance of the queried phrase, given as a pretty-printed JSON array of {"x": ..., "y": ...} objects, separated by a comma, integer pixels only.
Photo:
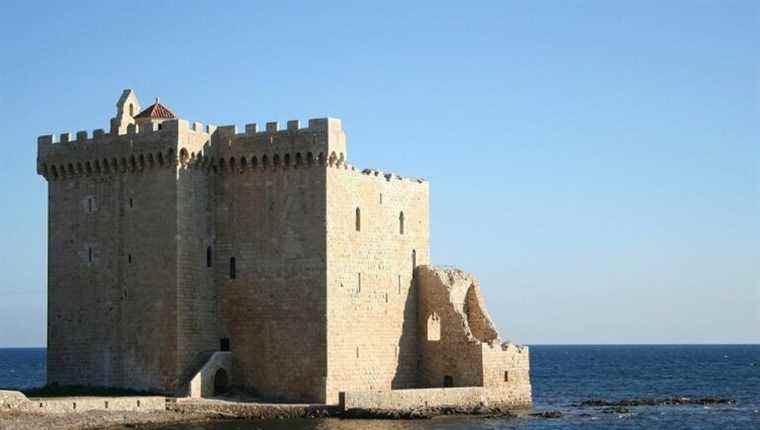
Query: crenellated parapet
[
  {"x": 186, "y": 144},
  {"x": 140, "y": 148},
  {"x": 320, "y": 143}
]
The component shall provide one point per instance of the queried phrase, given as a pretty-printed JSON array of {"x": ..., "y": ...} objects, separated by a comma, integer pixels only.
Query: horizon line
[{"x": 550, "y": 344}]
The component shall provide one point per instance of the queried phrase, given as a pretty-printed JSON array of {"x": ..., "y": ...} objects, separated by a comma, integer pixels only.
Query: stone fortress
[{"x": 185, "y": 258}]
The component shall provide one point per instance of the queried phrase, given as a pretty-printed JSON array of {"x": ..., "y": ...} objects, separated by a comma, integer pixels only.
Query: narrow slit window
[
  {"x": 209, "y": 259},
  {"x": 89, "y": 205},
  {"x": 233, "y": 269},
  {"x": 414, "y": 259},
  {"x": 89, "y": 254},
  {"x": 358, "y": 219},
  {"x": 131, "y": 203},
  {"x": 129, "y": 258},
  {"x": 401, "y": 223}
]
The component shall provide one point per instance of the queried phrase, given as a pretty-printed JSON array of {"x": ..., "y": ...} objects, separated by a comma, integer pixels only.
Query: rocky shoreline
[
  {"x": 431, "y": 412},
  {"x": 673, "y": 401},
  {"x": 18, "y": 420},
  {"x": 212, "y": 410}
]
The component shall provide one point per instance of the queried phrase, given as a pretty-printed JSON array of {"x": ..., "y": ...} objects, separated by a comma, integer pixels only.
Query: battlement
[
  {"x": 321, "y": 135},
  {"x": 83, "y": 137},
  {"x": 315, "y": 126},
  {"x": 203, "y": 144}
]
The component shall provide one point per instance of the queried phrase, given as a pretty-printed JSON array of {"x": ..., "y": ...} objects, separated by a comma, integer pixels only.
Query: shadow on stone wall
[{"x": 407, "y": 367}]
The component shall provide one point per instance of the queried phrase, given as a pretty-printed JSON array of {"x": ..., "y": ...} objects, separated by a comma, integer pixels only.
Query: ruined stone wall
[
  {"x": 371, "y": 300},
  {"x": 450, "y": 354},
  {"x": 459, "y": 345},
  {"x": 270, "y": 217},
  {"x": 112, "y": 259}
]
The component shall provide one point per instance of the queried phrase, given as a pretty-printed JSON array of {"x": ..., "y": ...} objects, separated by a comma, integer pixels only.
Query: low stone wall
[
  {"x": 414, "y": 398},
  {"x": 11, "y": 399},
  {"x": 81, "y": 404}
]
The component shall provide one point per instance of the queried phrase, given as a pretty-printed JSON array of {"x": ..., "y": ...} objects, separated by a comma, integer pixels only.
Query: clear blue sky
[{"x": 594, "y": 163}]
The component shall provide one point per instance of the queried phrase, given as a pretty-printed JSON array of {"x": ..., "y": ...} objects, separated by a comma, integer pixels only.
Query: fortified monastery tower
[{"x": 184, "y": 258}]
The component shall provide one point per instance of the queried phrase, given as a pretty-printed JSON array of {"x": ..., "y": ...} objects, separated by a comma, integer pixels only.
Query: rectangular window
[
  {"x": 448, "y": 381},
  {"x": 233, "y": 269},
  {"x": 89, "y": 255},
  {"x": 506, "y": 376},
  {"x": 224, "y": 344}
]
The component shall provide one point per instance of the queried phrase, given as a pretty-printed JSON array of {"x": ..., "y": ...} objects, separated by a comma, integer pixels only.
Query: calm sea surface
[{"x": 562, "y": 376}]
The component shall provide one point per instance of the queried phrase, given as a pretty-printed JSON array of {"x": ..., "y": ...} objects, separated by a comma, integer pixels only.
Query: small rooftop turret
[{"x": 155, "y": 113}]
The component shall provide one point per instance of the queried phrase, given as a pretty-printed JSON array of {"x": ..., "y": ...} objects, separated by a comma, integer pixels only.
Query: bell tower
[{"x": 126, "y": 109}]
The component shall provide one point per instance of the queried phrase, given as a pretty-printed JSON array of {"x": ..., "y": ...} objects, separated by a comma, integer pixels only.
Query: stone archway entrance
[{"x": 221, "y": 382}]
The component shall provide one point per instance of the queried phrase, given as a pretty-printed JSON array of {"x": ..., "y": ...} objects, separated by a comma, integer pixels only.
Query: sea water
[{"x": 562, "y": 377}]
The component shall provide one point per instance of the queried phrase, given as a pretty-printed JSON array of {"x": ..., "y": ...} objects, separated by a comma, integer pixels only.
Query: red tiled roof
[{"x": 156, "y": 110}]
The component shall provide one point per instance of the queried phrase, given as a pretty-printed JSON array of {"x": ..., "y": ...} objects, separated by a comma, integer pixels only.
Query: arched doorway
[{"x": 221, "y": 382}]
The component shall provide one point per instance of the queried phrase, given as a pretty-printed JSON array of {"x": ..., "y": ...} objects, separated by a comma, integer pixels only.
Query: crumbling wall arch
[{"x": 478, "y": 319}]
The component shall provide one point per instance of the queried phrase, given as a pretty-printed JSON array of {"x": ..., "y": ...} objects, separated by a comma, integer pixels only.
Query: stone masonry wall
[
  {"x": 371, "y": 300},
  {"x": 197, "y": 324},
  {"x": 139, "y": 224},
  {"x": 506, "y": 374},
  {"x": 112, "y": 261},
  {"x": 68, "y": 405},
  {"x": 271, "y": 221},
  {"x": 413, "y": 398}
]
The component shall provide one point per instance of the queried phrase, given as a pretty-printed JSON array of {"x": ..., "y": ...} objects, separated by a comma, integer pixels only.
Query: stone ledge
[{"x": 12, "y": 399}]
